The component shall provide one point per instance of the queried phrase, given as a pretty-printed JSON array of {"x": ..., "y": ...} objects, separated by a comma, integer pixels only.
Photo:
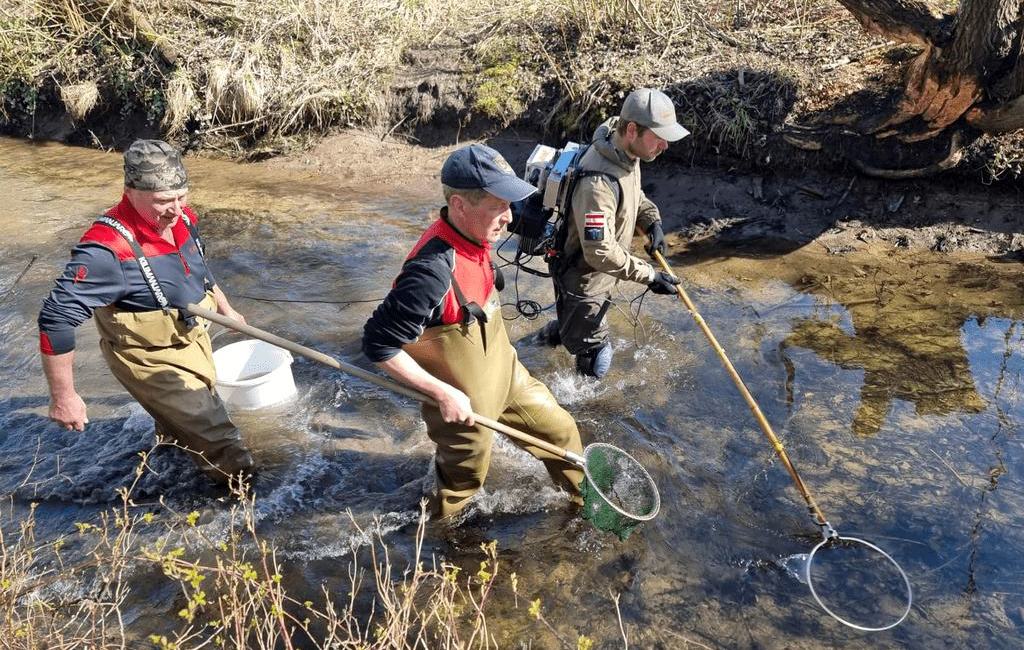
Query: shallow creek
[{"x": 893, "y": 379}]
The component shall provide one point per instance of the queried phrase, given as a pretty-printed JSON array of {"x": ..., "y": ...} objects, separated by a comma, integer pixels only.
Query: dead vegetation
[
  {"x": 83, "y": 589},
  {"x": 245, "y": 75}
]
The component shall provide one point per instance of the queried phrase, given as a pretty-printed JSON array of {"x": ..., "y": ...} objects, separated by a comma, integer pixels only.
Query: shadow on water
[{"x": 894, "y": 383}]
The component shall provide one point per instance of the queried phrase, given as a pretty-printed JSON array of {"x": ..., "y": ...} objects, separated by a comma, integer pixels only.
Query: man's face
[
  {"x": 484, "y": 221},
  {"x": 646, "y": 146},
  {"x": 162, "y": 209}
]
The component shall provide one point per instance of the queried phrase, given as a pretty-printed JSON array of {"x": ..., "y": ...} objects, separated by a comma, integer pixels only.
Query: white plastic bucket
[{"x": 253, "y": 374}]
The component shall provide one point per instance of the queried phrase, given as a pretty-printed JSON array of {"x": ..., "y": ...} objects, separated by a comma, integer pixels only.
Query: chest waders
[
  {"x": 477, "y": 357},
  {"x": 166, "y": 363}
]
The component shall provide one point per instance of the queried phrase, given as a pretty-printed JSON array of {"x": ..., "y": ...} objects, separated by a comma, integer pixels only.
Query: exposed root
[
  {"x": 950, "y": 161},
  {"x": 1004, "y": 118},
  {"x": 937, "y": 97}
]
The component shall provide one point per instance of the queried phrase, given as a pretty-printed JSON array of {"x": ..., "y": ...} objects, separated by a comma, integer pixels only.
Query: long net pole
[{"x": 780, "y": 451}]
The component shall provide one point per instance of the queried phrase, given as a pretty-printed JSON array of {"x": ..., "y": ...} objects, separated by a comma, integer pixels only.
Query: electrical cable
[
  {"x": 321, "y": 302},
  {"x": 635, "y": 320},
  {"x": 525, "y": 308}
]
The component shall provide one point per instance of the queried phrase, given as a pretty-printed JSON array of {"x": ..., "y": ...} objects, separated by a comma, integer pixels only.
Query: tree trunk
[
  {"x": 970, "y": 72},
  {"x": 908, "y": 21},
  {"x": 960, "y": 56}
]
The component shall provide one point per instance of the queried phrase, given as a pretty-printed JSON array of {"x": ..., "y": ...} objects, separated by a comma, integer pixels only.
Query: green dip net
[{"x": 618, "y": 493}]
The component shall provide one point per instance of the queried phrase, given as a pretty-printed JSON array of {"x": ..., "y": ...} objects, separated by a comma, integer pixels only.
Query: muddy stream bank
[{"x": 891, "y": 371}]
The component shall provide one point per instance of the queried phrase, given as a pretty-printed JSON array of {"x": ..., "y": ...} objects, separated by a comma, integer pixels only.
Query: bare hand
[
  {"x": 455, "y": 406},
  {"x": 69, "y": 412},
  {"x": 232, "y": 314}
]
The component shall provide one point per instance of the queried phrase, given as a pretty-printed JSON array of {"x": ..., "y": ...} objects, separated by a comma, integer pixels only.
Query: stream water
[{"x": 895, "y": 385}]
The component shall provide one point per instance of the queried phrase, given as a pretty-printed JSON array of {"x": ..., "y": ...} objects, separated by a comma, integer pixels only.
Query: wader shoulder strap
[
  {"x": 144, "y": 266},
  {"x": 193, "y": 230},
  {"x": 470, "y": 310},
  {"x": 499, "y": 277},
  {"x": 582, "y": 173}
]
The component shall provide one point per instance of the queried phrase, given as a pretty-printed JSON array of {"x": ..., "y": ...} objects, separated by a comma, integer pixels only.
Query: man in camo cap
[
  {"x": 134, "y": 271},
  {"x": 154, "y": 165}
]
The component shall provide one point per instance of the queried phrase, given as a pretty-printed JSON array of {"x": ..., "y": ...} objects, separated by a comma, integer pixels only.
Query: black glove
[
  {"x": 663, "y": 283},
  {"x": 657, "y": 236}
]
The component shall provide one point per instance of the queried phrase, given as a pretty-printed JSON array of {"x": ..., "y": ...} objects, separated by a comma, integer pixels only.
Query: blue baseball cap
[{"x": 478, "y": 167}]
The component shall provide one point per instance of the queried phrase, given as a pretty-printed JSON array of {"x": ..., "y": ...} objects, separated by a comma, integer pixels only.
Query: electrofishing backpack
[{"x": 542, "y": 220}]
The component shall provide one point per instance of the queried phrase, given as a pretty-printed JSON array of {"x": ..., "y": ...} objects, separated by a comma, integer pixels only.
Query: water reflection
[
  {"x": 907, "y": 349},
  {"x": 927, "y": 368}
]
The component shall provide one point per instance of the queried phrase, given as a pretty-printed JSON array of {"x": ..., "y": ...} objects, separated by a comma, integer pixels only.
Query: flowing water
[{"x": 894, "y": 383}]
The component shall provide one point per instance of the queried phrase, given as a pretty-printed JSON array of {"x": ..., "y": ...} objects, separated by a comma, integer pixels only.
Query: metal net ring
[
  {"x": 810, "y": 583},
  {"x": 634, "y": 468}
]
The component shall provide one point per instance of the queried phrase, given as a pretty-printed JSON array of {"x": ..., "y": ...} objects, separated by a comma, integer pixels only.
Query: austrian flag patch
[{"x": 593, "y": 226}]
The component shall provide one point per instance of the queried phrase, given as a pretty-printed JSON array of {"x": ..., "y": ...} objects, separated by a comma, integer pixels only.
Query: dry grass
[
  {"x": 74, "y": 591},
  {"x": 80, "y": 98},
  {"x": 257, "y": 70}
]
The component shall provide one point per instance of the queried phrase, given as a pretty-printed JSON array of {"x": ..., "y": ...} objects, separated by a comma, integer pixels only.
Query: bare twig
[
  {"x": 618, "y": 615},
  {"x": 686, "y": 640},
  {"x": 955, "y": 473},
  {"x": 845, "y": 193},
  {"x": 9, "y": 289}
]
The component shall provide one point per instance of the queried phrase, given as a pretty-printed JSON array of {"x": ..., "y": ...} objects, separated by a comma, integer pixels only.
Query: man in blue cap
[
  {"x": 606, "y": 207},
  {"x": 440, "y": 331}
]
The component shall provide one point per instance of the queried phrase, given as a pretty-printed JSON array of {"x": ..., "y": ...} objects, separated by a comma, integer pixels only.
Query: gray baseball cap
[
  {"x": 653, "y": 109},
  {"x": 153, "y": 166}
]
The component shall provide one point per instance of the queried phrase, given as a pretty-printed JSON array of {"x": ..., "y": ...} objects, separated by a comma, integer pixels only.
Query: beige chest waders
[
  {"x": 478, "y": 359},
  {"x": 168, "y": 368}
]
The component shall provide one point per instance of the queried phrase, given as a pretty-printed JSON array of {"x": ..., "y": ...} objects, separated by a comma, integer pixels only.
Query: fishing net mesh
[
  {"x": 858, "y": 584},
  {"x": 618, "y": 493}
]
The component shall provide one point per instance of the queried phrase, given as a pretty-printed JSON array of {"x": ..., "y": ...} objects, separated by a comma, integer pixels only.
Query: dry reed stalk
[
  {"x": 180, "y": 99},
  {"x": 269, "y": 69},
  {"x": 218, "y": 82},
  {"x": 79, "y": 99},
  {"x": 231, "y": 586},
  {"x": 248, "y": 90}
]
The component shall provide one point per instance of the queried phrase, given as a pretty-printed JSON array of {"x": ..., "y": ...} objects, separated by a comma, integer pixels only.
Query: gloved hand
[
  {"x": 657, "y": 236},
  {"x": 663, "y": 283}
]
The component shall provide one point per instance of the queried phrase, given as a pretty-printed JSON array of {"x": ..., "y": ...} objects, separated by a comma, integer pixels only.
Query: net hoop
[
  {"x": 636, "y": 465},
  {"x": 810, "y": 583}
]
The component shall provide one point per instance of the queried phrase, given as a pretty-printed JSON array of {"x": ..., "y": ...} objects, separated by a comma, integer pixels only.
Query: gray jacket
[{"x": 603, "y": 223}]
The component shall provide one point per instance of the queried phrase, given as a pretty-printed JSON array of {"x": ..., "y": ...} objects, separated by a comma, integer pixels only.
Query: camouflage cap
[{"x": 153, "y": 166}]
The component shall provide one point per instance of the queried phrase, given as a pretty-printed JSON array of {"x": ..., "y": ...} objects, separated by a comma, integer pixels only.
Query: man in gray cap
[
  {"x": 134, "y": 271},
  {"x": 440, "y": 331},
  {"x": 606, "y": 206}
]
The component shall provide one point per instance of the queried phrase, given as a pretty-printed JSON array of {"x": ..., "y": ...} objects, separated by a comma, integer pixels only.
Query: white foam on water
[
  {"x": 277, "y": 505},
  {"x": 569, "y": 387},
  {"x": 291, "y": 496},
  {"x": 137, "y": 420},
  {"x": 649, "y": 353},
  {"x": 346, "y": 543},
  {"x": 795, "y": 566},
  {"x": 506, "y": 453},
  {"x": 516, "y": 500}
]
